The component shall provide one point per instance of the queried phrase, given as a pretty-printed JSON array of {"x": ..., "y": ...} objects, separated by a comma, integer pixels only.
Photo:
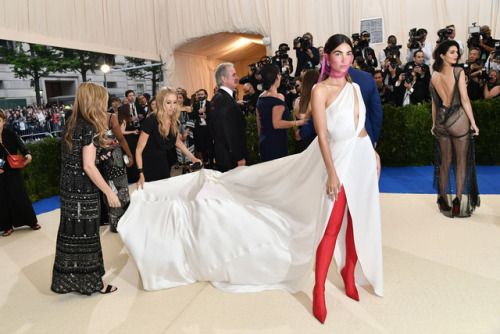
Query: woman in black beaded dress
[
  {"x": 78, "y": 265},
  {"x": 453, "y": 125},
  {"x": 114, "y": 172},
  {"x": 159, "y": 134}
]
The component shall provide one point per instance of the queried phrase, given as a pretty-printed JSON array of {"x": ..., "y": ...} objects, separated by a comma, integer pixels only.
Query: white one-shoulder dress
[{"x": 258, "y": 227}]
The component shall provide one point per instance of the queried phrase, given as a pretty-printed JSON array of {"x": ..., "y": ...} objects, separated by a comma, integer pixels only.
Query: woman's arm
[
  {"x": 279, "y": 123},
  {"x": 318, "y": 103},
  {"x": 89, "y": 154},
  {"x": 491, "y": 93},
  {"x": 141, "y": 144},
  {"x": 123, "y": 126},
  {"x": 123, "y": 143},
  {"x": 464, "y": 98}
]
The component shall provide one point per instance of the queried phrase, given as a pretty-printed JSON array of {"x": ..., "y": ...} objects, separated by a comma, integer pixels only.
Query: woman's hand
[
  {"x": 432, "y": 129},
  {"x": 475, "y": 129},
  {"x": 140, "y": 183},
  {"x": 333, "y": 187},
  {"x": 379, "y": 165},
  {"x": 136, "y": 132},
  {"x": 28, "y": 158},
  {"x": 1, "y": 171},
  {"x": 130, "y": 161},
  {"x": 113, "y": 200},
  {"x": 301, "y": 122},
  {"x": 195, "y": 160}
]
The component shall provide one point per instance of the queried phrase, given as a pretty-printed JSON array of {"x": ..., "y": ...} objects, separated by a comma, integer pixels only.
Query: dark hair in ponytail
[{"x": 269, "y": 74}]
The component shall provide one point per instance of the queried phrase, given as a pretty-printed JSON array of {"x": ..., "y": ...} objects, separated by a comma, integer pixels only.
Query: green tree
[
  {"x": 81, "y": 61},
  {"x": 33, "y": 62},
  {"x": 141, "y": 73}
]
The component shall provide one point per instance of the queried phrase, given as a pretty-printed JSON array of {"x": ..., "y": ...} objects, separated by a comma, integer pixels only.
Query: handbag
[{"x": 15, "y": 161}]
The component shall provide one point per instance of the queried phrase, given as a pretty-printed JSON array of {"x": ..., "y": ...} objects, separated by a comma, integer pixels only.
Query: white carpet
[{"x": 441, "y": 275}]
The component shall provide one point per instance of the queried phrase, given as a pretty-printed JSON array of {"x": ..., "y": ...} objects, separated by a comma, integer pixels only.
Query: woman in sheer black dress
[
  {"x": 453, "y": 126},
  {"x": 15, "y": 205}
]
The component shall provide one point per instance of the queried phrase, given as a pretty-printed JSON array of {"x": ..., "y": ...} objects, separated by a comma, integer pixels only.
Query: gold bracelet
[{"x": 294, "y": 123}]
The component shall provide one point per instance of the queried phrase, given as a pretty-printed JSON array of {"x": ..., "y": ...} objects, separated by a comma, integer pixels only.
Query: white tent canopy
[{"x": 156, "y": 29}]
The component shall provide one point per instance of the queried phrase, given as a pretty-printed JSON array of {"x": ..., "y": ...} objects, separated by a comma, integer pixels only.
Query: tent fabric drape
[{"x": 154, "y": 29}]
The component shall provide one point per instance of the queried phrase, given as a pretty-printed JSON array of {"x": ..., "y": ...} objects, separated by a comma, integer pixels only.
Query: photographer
[
  {"x": 383, "y": 90},
  {"x": 422, "y": 75},
  {"x": 492, "y": 87},
  {"x": 392, "y": 50},
  {"x": 448, "y": 33},
  {"x": 249, "y": 99},
  {"x": 418, "y": 41},
  {"x": 362, "y": 49},
  {"x": 493, "y": 62},
  {"x": 483, "y": 41},
  {"x": 281, "y": 58},
  {"x": 473, "y": 71},
  {"x": 307, "y": 55},
  {"x": 254, "y": 76}
]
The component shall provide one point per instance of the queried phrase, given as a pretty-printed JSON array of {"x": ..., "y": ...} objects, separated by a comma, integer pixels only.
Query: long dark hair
[
  {"x": 310, "y": 78},
  {"x": 441, "y": 50},
  {"x": 331, "y": 44},
  {"x": 269, "y": 74}
]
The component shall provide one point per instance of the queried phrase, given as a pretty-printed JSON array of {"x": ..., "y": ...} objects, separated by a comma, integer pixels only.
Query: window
[{"x": 375, "y": 26}]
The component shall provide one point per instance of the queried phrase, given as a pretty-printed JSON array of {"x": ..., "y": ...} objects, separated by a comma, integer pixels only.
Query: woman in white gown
[{"x": 257, "y": 228}]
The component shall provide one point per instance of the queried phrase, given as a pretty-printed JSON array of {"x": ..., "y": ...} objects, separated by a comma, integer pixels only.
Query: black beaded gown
[
  {"x": 114, "y": 172},
  {"x": 454, "y": 143},
  {"x": 78, "y": 265}
]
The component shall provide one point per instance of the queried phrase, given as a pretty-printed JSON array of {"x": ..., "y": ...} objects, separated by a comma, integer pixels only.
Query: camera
[
  {"x": 497, "y": 51},
  {"x": 304, "y": 41},
  {"x": 392, "y": 53},
  {"x": 475, "y": 33},
  {"x": 443, "y": 34},
  {"x": 408, "y": 74},
  {"x": 414, "y": 38}
]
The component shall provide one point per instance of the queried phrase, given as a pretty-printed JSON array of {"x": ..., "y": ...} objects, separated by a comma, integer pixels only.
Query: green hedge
[
  {"x": 42, "y": 175},
  {"x": 405, "y": 140}
]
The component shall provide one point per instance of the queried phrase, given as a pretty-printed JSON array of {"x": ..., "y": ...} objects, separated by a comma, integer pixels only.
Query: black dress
[
  {"x": 273, "y": 143},
  {"x": 15, "y": 205},
  {"x": 132, "y": 139},
  {"x": 78, "y": 265},
  {"x": 154, "y": 157},
  {"x": 114, "y": 171},
  {"x": 454, "y": 144}
]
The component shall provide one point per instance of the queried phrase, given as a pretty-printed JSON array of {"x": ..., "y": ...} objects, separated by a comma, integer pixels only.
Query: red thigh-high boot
[
  {"x": 350, "y": 261},
  {"x": 324, "y": 255}
]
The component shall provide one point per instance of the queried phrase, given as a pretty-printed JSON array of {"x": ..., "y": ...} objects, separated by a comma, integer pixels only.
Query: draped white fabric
[
  {"x": 257, "y": 228},
  {"x": 154, "y": 29}
]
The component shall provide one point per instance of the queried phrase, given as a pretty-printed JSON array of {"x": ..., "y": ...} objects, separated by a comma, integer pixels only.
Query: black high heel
[
  {"x": 443, "y": 206},
  {"x": 456, "y": 207}
]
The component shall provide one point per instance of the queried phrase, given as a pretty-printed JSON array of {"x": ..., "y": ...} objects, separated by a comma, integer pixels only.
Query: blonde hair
[
  {"x": 91, "y": 101},
  {"x": 161, "y": 112}
]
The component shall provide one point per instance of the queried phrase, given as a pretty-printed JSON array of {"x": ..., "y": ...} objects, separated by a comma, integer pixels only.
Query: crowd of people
[
  {"x": 406, "y": 81},
  {"x": 105, "y": 147}
]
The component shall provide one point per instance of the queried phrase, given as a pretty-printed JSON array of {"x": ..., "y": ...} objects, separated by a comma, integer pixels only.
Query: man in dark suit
[
  {"x": 201, "y": 133},
  {"x": 226, "y": 122},
  {"x": 371, "y": 97}
]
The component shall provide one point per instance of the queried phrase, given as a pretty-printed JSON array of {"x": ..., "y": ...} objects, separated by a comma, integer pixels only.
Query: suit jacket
[
  {"x": 371, "y": 97},
  {"x": 227, "y": 127},
  {"x": 196, "y": 114}
]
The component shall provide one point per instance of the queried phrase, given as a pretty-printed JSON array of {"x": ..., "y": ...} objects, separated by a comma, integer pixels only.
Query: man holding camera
[
  {"x": 484, "y": 42},
  {"x": 201, "y": 133},
  {"x": 418, "y": 42},
  {"x": 362, "y": 48},
  {"x": 415, "y": 78},
  {"x": 392, "y": 50},
  {"x": 473, "y": 70},
  {"x": 282, "y": 59},
  {"x": 307, "y": 55}
]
